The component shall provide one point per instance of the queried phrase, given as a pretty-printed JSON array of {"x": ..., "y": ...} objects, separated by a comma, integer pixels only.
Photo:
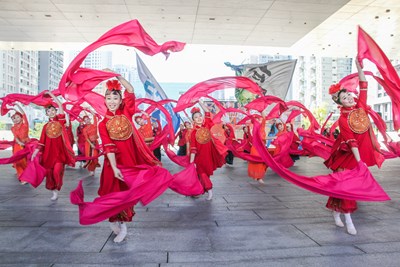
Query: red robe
[
  {"x": 119, "y": 136},
  {"x": 207, "y": 156},
  {"x": 343, "y": 158},
  {"x": 56, "y": 147},
  {"x": 20, "y": 132},
  {"x": 80, "y": 139},
  {"x": 56, "y": 151},
  {"x": 91, "y": 136}
]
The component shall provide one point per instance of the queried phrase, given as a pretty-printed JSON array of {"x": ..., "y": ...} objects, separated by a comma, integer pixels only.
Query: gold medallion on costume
[
  {"x": 53, "y": 129},
  {"x": 358, "y": 121},
  {"x": 203, "y": 135},
  {"x": 119, "y": 128}
]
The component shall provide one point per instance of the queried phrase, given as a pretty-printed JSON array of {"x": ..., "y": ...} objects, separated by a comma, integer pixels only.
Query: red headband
[
  {"x": 113, "y": 85},
  {"x": 194, "y": 110}
]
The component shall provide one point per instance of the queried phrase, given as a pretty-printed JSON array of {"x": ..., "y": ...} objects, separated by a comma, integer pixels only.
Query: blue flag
[{"x": 154, "y": 91}]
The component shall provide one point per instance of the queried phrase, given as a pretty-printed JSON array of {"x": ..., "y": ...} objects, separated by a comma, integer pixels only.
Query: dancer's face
[
  {"x": 347, "y": 99},
  {"x": 288, "y": 127},
  {"x": 87, "y": 120},
  {"x": 16, "y": 119},
  {"x": 139, "y": 121},
  {"x": 51, "y": 112},
  {"x": 198, "y": 118},
  {"x": 280, "y": 127},
  {"x": 113, "y": 101}
]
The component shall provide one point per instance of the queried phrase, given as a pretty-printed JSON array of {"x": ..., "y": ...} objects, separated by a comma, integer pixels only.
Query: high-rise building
[
  {"x": 50, "y": 69},
  {"x": 19, "y": 74},
  {"x": 97, "y": 60},
  {"x": 314, "y": 76}
]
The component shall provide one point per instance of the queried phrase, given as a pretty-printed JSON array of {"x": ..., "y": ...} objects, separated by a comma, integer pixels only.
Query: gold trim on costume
[
  {"x": 358, "y": 121},
  {"x": 119, "y": 128},
  {"x": 53, "y": 129},
  {"x": 203, "y": 135}
]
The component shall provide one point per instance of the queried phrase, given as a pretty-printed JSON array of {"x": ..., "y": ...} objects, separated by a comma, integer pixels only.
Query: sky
[{"x": 195, "y": 63}]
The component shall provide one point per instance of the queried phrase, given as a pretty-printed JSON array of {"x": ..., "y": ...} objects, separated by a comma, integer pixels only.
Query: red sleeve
[
  {"x": 193, "y": 142},
  {"x": 42, "y": 138},
  {"x": 108, "y": 144},
  {"x": 61, "y": 119},
  {"x": 208, "y": 123},
  {"x": 129, "y": 103},
  {"x": 346, "y": 133}
]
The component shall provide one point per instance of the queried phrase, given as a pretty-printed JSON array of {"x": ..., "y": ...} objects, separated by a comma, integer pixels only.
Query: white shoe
[
  {"x": 338, "y": 221},
  {"x": 23, "y": 182},
  {"x": 210, "y": 194},
  {"x": 55, "y": 195},
  {"x": 351, "y": 229},
  {"x": 115, "y": 227},
  {"x": 122, "y": 234},
  {"x": 91, "y": 173},
  {"x": 261, "y": 181}
]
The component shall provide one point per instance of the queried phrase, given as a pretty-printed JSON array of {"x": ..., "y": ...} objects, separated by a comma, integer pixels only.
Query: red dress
[
  {"x": 355, "y": 131},
  {"x": 91, "y": 136},
  {"x": 56, "y": 151},
  {"x": 207, "y": 157},
  {"x": 257, "y": 170},
  {"x": 20, "y": 132},
  {"x": 80, "y": 139},
  {"x": 119, "y": 136}
]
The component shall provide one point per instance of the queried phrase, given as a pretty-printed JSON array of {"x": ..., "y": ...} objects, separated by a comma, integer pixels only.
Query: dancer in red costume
[
  {"x": 91, "y": 143},
  {"x": 55, "y": 147},
  {"x": 229, "y": 140},
  {"x": 257, "y": 170},
  {"x": 156, "y": 127},
  {"x": 123, "y": 147},
  {"x": 145, "y": 127},
  {"x": 295, "y": 141},
  {"x": 182, "y": 141},
  {"x": 247, "y": 139},
  {"x": 356, "y": 142},
  {"x": 80, "y": 139},
  {"x": 203, "y": 148},
  {"x": 20, "y": 130}
]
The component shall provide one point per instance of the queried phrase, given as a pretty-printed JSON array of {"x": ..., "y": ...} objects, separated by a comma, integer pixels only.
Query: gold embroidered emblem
[
  {"x": 358, "y": 121},
  {"x": 119, "y": 128},
  {"x": 203, "y": 135},
  {"x": 53, "y": 129}
]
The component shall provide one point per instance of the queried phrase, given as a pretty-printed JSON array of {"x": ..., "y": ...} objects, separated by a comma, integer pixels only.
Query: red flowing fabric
[
  {"x": 355, "y": 184},
  {"x": 262, "y": 103},
  {"x": 34, "y": 173},
  {"x": 40, "y": 100},
  {"x": 131, "y": 34},
  {"x": 145, "y": 184},
  {"x": 6, "y": 144},
  {"x": 204, "y": 88},
  {"x": 369, "y": 49}
]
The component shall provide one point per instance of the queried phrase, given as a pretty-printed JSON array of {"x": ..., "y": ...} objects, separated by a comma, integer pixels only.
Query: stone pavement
[{"x": 246, "y": 224}]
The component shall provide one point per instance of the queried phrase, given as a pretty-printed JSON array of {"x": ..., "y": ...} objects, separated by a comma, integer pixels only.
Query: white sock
[
  {"x": 349, "y": 224},
  {"x": 122, "y": 234},
  {"x": 115, "y": 227},
  {"x": 55, "y": 195},
  {"x": 210, "y": 194},
  {"x": 338, "y": 221}
]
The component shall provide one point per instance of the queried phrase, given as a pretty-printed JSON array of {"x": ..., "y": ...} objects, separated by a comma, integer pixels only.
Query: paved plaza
[{"x": 246, "y": 224}]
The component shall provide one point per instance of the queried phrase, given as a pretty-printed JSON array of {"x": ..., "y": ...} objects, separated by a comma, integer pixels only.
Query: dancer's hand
[
  {"x": 34, "y": 154},
  {"x": 118, "y": 174}
]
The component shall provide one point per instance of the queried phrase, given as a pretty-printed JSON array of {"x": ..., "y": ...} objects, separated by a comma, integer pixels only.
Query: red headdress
[
  {"x": 194, "y": 110},
  {"x": 334, "y": 91},
  {"x": 113, "y": 85},
  {"x": 334, "y": 88}
]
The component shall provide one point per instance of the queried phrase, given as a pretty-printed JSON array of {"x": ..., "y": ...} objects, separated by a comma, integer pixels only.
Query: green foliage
[
  {"x": 321, "y": 113},
  {"x": 37, "y": 130}
]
